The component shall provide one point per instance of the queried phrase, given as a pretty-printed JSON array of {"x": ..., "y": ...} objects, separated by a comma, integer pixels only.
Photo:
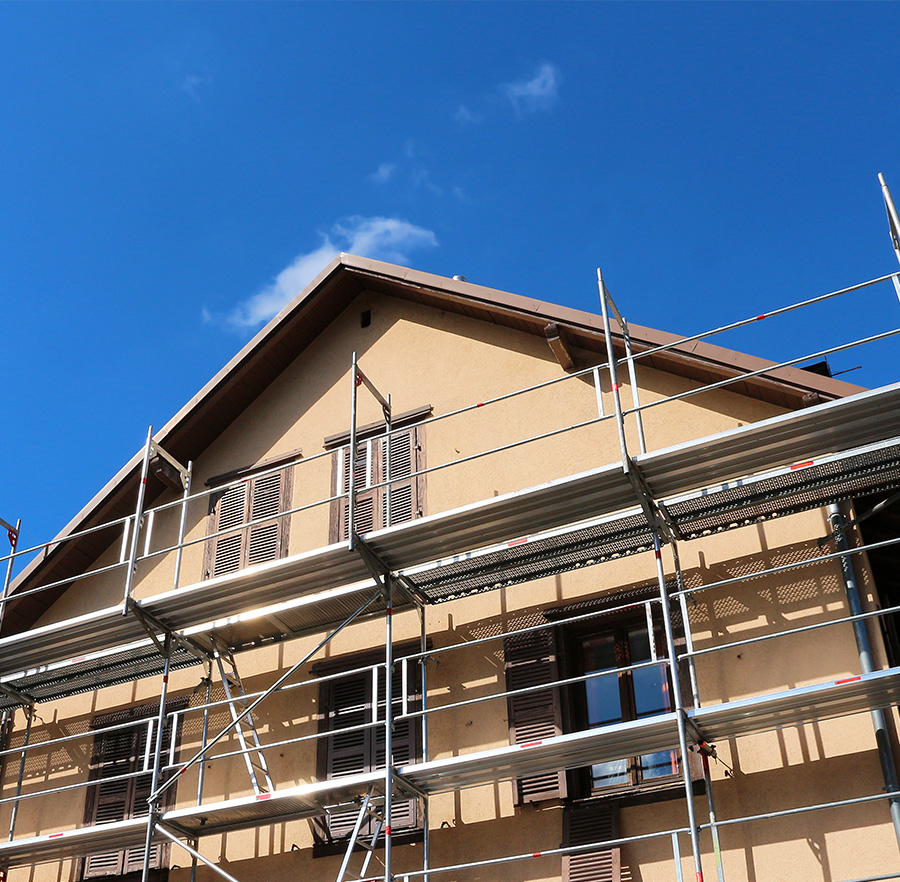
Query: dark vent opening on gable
[{"x": 365, "y": 318}]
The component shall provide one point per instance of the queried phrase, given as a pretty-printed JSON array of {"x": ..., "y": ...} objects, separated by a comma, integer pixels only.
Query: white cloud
[
  {"x": 421, "y": 177},
  {"x": 193, "y": 85},
  {"x": 464, "y": 115},
  {"x": 538, "y": 93},
  {"x": 383, "y": 173},
  {"x": 381, "y": 238}
]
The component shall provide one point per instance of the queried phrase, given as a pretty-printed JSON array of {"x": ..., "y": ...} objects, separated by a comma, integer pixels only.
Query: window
[
  {"x": 375, "y": 461},
  {"x": 260, "y": 498},
  {"x": 346, "y": 703},
  {"x": 118, "y": 753},
  {"x": 630, "y": 695},
  {"x": 605, "y": 643}
]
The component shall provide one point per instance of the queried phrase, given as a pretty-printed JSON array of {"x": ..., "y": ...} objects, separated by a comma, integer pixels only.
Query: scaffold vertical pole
[
  {"x": 423, "y": 705},
  {"x": 695, "y": 695},
  {"x": 679, "y": 707},
  {"x": 388, "y": 473},
  {"x": 388, "y": 722},
  {"x": 29, "y": 711},
  {"x": 154, "y": 801},
  {"x": 635, "y": 391},
  {"x": 351, "y": 465},
  {"x": 613, "y": 375},
  {"x": 13, "y": 536},
  {"x": 182, "y": 520},
  {"x": 867, "y": 666},
  {"x": 204, "y": 733},
  {"x": 138, "y": 514}
]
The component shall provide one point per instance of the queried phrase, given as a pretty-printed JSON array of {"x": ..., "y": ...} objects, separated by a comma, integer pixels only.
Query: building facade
[{"x": 613, "y": 577}]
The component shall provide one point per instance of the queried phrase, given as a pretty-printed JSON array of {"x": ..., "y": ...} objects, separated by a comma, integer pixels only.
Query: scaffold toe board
[
  {"x": 781, "y": 491},
  {"x": 303, "y": 801},
  {"x": 260, "y": 585},
  {"x": 782, "y": 440},
  {"x": 70, "y": 640},
  {"x": 805, "y": 704},
  {"x": 74, "y": 843},
  {"x": 872, "y": 468},
  {"x": 559, "y": 752}
]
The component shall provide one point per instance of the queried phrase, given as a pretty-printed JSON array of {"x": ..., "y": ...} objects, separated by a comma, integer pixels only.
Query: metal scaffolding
[{"x": 646, "y": 501}]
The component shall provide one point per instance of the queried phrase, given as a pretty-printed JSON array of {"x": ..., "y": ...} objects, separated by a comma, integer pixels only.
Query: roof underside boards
[
  {"x": 222, "y": 400},
  {"x": 761, "y": 713},
  {"x": 499, "y": 541}
]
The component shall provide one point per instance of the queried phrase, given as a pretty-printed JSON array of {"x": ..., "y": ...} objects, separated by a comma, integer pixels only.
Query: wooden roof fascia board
[{"x": 503, "y": 302}]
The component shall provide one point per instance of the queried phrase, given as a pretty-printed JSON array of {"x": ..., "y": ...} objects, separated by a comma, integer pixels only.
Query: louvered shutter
[
  {"x": 256, "y": 499},
  {"x": 115, "y": 754},
  {"x": 365, "y": 474},
  {"x": 379, "y": 506},
  {"x": 530, "y": 661},
  {"x": 582, "y": 825},
  {"x": 264, "y": 540},
  {"x": 347, "y": 702},
  {"x": 122, "y": 752},
  {"x": 230, "y": 512},
  {"x": 399, "y": 501},
  {"x": 405, "y": 748}
]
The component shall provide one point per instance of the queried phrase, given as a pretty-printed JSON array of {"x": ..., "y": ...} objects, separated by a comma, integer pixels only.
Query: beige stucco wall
[{"x": 422, "y": 356}]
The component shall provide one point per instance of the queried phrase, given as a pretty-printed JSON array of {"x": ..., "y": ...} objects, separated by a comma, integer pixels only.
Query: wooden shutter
[
  {"x": 256, "y": 499},
  {"x": 347, "y": 701},
  {"x": 115, "y": 753},
  {"x": 119, "y": 753},
  {"x": 530, "y": 661},
  {"x": 228, "y": 510},
  {"x": 399, "y": 501},
  {"x": 404, "y": 744},
  {"x": 377, "y": 507},
  {"x": 583, "y": 824}
]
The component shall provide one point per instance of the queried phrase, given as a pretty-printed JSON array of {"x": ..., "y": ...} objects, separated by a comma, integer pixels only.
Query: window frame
[
  {"x": 555, "y": 711},
  {"x": 574, "y": 699}
]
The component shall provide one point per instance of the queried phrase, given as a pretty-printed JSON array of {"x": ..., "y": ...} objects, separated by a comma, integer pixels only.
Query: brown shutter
[
  {"x": 530, "y": 661},
  {"x": 583, "y": 824},
  {"x": 228, "y": 509},
  {"x": 114, "y": 754},
  {"x": 400, "y": 500},
  {"x": 119, "y": 753},
  {"x": 405, "y": 746},
  {"x": 257, "y": 499},
  {"x": 347, "y": 701},
  {"x": 365, "y": 474}
]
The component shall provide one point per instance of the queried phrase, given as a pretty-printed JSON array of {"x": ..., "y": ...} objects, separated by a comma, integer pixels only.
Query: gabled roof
[{"x": 258, "y": 363}]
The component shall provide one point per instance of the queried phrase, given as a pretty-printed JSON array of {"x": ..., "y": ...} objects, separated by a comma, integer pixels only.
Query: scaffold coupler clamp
[{"x": 704, "y": 748}]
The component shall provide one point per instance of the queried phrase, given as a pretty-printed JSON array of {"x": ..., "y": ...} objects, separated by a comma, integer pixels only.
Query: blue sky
[{"x": 170, "y": 172}]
